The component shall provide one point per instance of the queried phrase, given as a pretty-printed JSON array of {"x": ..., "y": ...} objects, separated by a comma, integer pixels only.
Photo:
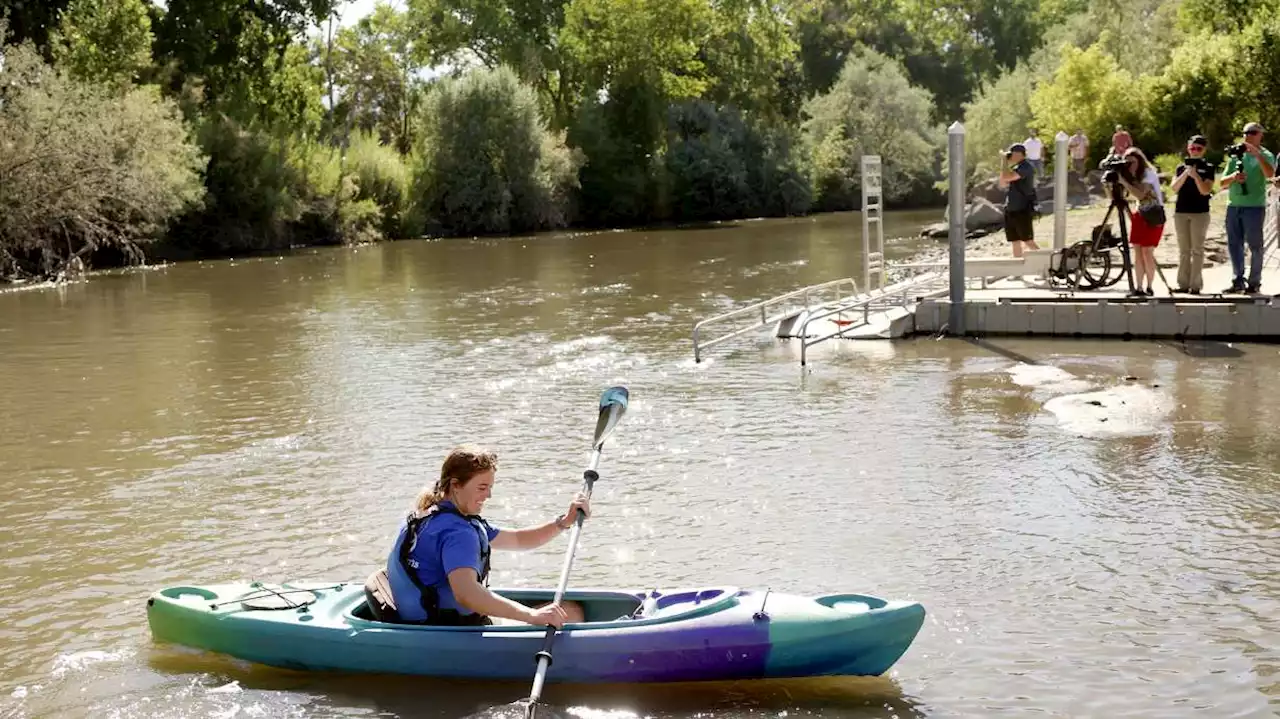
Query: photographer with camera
[
  {"x": 1249, "y": 166},
  {"x": 1141, "y": 181},
  {"x": 1020, "y": 202},
  {"x": 1193, "y": 183}
]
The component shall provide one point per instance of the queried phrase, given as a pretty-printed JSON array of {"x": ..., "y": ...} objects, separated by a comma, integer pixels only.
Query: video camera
[
  {"x": 1238, "y": 151},
  {"x": 1111, "y": 165}
]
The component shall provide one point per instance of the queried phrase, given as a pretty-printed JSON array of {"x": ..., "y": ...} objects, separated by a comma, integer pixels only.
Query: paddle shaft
[{"x": 544, "y": 657}]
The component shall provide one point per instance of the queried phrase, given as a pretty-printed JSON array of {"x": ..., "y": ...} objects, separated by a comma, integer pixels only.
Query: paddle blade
[{"x": 613, "y": 404}]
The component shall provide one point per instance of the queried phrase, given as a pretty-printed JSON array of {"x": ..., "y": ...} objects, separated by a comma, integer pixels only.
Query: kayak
[{"x": 707, "y": 634}]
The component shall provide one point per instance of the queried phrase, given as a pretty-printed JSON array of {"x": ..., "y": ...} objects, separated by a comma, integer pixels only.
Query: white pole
[
  {"x": 956, "y": 180},
  {"x": 866, "y": 225},
  {"x": 1060, "y": 162}
]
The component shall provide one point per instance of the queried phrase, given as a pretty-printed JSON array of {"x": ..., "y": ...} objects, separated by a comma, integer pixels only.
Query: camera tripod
[
  {"x": 1122, "y": 206},
  {"x": 1089, "y": 264}
]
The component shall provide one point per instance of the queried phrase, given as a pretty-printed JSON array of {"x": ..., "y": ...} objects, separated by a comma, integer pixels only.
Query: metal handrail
[
  {"x": 865, "y": 303},
  {"x": 765, "y": 319},
  {"x": 804, "y": 329}
]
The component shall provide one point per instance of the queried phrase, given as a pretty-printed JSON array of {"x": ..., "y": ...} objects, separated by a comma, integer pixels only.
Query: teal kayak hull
[{"x": 709, "y": 634}]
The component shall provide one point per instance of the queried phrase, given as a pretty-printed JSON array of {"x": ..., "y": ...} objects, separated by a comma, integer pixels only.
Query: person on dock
[
  {"x": 1193, "y": 184},
  {"x": 1078, "y": 149},
  {"x": 1121, "y": 140},
  {"x": 1249, "y": 167},
  {"x": 1034, "y": 149},
  {"x": 438, "y": 568},
  {"x": 1020, "y": 202},
  {"x": 1140, "y": 179}
]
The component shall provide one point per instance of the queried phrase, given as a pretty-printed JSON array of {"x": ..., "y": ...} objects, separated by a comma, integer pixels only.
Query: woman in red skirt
[{"x": 1143, "y": 184}]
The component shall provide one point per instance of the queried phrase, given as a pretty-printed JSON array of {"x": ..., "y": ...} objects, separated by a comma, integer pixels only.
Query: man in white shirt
[{"x": 1035, "y": 150}]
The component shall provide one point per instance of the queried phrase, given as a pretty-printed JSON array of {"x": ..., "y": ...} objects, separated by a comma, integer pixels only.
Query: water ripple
[{"x": 275, "y": 419}]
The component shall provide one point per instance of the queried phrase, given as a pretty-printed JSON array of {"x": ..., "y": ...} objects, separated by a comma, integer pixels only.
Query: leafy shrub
[
  {"x": 382, "y": 177},
  {"x": 103, "y": 41},
  {"x": 871, "y": 109},
  {"x": 720, "y": 164},
  {"x": 488, "y": 164},
  {"x": 1090, "y": 90},
  {"x": 84, "y": 168}
]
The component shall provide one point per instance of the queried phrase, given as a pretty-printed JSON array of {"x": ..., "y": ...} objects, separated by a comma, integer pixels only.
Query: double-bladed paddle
[{"x": 613, "y": 404}]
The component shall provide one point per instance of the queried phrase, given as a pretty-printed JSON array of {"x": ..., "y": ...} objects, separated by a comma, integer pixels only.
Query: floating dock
[
  {"x": 992, "y": 296},
  {"x": 1029, "y": 307},
  {"x": 1004, "y": 296}
]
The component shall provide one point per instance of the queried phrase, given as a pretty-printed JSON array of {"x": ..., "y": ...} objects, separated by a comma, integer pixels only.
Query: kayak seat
[{"x": 378, "y": 598}]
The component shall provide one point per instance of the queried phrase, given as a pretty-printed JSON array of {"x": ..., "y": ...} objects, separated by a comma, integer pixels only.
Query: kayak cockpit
[{"x": 602, "y": 608}]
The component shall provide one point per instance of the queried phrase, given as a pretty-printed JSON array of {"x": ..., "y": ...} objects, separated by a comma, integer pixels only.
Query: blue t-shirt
[{"x": 445, "y": 542}]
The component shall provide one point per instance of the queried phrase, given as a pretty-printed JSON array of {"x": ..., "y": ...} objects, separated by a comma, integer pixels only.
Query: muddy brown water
[{"x": 1086, "y": 545}]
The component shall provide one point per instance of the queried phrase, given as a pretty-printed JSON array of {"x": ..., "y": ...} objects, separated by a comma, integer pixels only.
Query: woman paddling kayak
[{"x": 438, "y": 569}]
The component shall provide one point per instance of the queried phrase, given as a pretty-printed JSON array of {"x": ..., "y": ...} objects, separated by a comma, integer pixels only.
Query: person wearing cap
[
  {"x": 1020, "y": 202},
  {"x": 1193, "y": 185},
  {"x": 1246, "y": 179}
]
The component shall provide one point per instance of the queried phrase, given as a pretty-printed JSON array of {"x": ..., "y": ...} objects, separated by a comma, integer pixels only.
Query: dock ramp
[{"x": 815, "y": 314}]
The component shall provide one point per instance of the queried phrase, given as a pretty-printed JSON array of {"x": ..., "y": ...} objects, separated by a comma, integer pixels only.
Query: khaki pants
[{"x": 1190, "y": 229}]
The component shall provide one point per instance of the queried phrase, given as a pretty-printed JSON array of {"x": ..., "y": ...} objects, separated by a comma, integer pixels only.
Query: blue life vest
[{"x": 402, "y": 569}]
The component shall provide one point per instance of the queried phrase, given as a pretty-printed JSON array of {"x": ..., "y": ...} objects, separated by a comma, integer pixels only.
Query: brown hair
[
  {"x": 461, "y": 466},
  {"x": 1143, "y": 164},
  {"x": 1142, "y": 158}
]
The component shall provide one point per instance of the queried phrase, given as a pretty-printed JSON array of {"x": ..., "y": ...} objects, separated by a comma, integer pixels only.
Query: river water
[{"x": 1094, "y": 527}]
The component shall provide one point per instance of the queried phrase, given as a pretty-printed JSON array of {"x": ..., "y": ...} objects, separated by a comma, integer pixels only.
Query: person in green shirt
[{"x": 1246, "y": 178}]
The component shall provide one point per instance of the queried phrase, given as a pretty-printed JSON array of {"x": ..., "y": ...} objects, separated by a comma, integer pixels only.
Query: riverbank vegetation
[
  {"x": 1163, "y": 69},
  {"x": 199, "y": 128}
]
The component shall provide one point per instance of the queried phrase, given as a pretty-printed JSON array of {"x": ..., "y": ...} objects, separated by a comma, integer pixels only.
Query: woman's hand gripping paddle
[{"x": 613, "y": 404}]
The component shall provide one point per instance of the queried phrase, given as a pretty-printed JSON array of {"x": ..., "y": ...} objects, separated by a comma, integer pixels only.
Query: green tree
[
  {"x": 950, "y": 50},
  {"x": 871, "y": 110},
  {"x": 488, "y": 163},
  {"x": 828, "y": 30},
  {"x": 32, "y": 20},
  {"x": 1257, "y": 73},
  {"x": 230, "y": 51},
  {"x": 620, "y": 137},
  {"x": 266, "y": 192},
  {"x": 104, "y": 41},
  {"x": 1140, "y": 34},
  {"x": 84, "y": 169},
  {"x": 632, "y": 59},
  {"x": 381, "y": 176},
  {"x": 1090, "y": 90},
  {"x": 522, "y": 35},
  {"x": 720, "y": 165},
  {"x": 751, "y": 60},
  {"x": 999, "y": 116},
  {"x": 1197, "y": 92},
  {"x": 290, "y": 101},
  {"x": 376, "y": 65},
  {"x": 1222, "y": 16},
  {"x": 629, "y": 42}
]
